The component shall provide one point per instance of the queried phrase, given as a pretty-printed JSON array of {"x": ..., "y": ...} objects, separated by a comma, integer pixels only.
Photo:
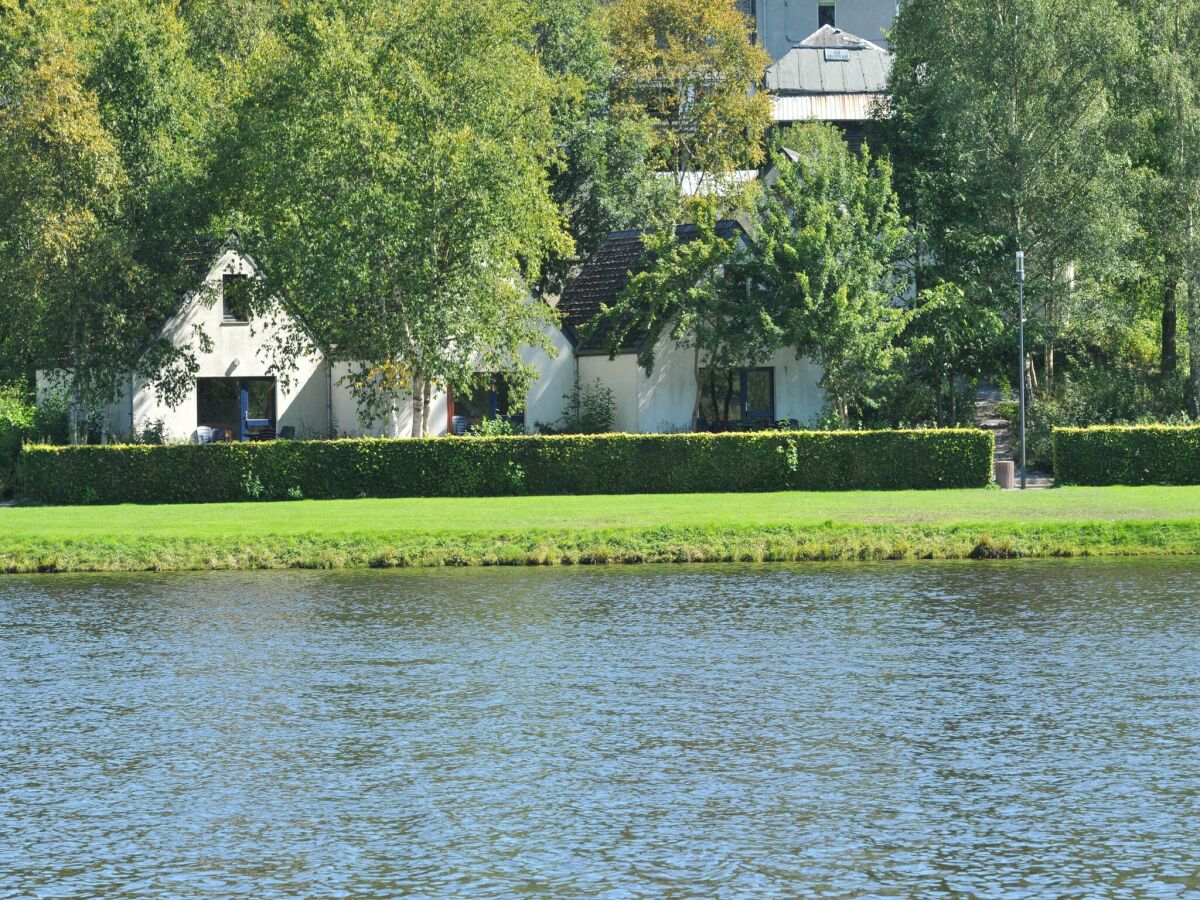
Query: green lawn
[
  {"x": 640, "y": 510},
  {"x": 861, "y": 525}
]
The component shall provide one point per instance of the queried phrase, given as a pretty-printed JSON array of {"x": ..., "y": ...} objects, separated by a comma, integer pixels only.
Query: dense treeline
[{"x": 408, "y": 173}]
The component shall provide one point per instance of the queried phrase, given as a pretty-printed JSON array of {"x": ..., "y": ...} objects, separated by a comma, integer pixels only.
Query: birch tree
[
  {"x": 390, "y": 163},
  {"x": 1001, "y": 128},
  {"x": 99, "y": 119}
]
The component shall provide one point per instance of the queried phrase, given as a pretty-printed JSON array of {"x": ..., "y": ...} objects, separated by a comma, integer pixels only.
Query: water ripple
[{"x": 1010, "y": 730}]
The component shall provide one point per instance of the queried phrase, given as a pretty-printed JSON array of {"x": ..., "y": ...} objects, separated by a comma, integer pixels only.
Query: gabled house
[
  {"x": 831, "y": 76},
  {"x": 786, "y": 387},
  {"x": 239, "y": 395}
]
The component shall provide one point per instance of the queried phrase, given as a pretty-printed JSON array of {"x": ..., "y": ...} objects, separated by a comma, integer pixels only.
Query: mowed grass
[{"x": 601, "y": 529}]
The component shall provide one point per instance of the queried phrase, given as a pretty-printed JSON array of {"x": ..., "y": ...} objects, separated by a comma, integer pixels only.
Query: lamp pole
[{"x": 1021, "y": 367}]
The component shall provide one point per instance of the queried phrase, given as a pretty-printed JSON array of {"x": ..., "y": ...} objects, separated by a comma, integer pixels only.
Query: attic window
[
  {"x": 235, "y": 304},
  {"x": 825, "y": 15},
  {"x": 835, "y": 55}
]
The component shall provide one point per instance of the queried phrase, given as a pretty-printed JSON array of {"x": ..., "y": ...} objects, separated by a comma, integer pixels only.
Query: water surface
[{"x": 959, "y": 730}]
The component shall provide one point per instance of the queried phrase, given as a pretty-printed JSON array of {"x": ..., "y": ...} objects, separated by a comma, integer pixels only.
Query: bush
[
  {"x": 17, "y": 420},
  {"x": 438, "y": 467},
  {"x": 1099, "y": 395},
  {"x": 1133, "y": 454},
  {"x": 591, "y": 409}
]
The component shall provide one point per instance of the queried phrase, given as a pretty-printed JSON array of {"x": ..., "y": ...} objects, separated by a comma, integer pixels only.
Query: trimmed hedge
[
  {"x": 1127, "y": 454},
  {"x": 480, "y": 467}
]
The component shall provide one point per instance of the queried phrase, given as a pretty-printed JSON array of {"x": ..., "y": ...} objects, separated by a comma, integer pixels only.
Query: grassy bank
[{"x": 610, "y": 529}]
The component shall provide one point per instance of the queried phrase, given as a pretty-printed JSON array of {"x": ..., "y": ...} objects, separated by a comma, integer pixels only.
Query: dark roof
[
  {"x": 605, "y": 275},
  {"x": 206, "y": 249}
]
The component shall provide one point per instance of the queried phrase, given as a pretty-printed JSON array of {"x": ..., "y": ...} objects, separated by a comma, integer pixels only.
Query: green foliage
[
  {"x": 1102, "y": 395},
  {"x": 17, "y": 417},
  {"x": 829, "y": 241},
  {"x": 1131, "y": 455},
  {"x": 606, "y": 464},
  {"x": 391, "y": 164},
  {"x": 497, "y": 427},
  {"x": 591, "y": 409},
  {"x": 683, "y": 68},
  {"x": 601, "y": 179},
  {"x": 99, "y": 153},
  {"x": 950, "y": 343},
  {"x": 691, "y": 289}
]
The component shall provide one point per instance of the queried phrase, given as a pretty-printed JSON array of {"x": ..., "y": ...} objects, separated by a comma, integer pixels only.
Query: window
[
  {"x": 235, "y": 409},
  {"x": 737, "y": 398},
  {"x": 825, "y": 15},
  {"x": 489, "y": 398},
  {"x": 235, "y": 291}
]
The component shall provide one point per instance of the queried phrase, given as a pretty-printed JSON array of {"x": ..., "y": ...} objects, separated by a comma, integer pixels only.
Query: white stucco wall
[
  {"x": 239, "y": 350},
  {"x": 667, "y": 395},
  {"x": 621, "y": 376},
  {"x": 348, "y": 423},
  {"x": 556, "y": 378},
  {"x": 798, "y": 393},
  {"x": 663, "y": 400}
]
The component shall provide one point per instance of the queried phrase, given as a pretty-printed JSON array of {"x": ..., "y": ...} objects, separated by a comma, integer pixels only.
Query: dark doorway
[
  {"x": 825, "y": 16},
  {"x": 737, "y": 399},
  {"x": 489, "y": 398},
  {"x": 235, "y": 409}
]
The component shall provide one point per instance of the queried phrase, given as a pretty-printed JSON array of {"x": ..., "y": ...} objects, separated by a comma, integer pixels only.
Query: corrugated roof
[
  {"x": 824, "y": 107},
  {"x": 809, "y": 67},
  {"x": 605, "y": 275}
]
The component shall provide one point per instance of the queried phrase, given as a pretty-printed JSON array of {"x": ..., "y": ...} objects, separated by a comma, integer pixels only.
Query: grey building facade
[{"x": 782, "y": 24}]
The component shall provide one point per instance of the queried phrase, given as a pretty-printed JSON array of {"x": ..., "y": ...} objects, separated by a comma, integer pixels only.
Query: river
[{"x": 967, "y": 729}]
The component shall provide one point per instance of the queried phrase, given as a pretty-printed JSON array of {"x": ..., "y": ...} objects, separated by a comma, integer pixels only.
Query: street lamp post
[{"x": 1021, "y": 367}]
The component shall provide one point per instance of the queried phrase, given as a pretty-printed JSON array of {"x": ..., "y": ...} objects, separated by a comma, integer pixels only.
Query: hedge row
[
  {"x": 1135, "y": 454},
  {"x": 473, "y": 467}
]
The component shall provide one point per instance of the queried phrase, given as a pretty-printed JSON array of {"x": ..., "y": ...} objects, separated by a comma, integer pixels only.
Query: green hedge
[
  {"x": 1134, "y": 454},
  {"x": 474, "y": 467}
]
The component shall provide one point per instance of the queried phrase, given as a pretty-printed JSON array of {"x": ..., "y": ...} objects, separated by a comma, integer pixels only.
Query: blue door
[{"x": 258, "y": 407}]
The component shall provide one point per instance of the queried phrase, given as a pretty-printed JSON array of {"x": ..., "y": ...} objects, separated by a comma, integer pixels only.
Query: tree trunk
[
  {"x": 426, "y": 393},
  {"x": 76, "y": 413},
  {"x": 1189, "y": 269},
  {"x": 699, "y": 390},
  {"x": 1170, "y": 316},
  {"x": 418, "y": 410},
  {"x": 1048, "y": 349}
]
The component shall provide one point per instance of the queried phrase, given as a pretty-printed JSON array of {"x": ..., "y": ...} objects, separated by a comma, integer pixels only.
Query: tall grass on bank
[{"x": 665, "y": 544}]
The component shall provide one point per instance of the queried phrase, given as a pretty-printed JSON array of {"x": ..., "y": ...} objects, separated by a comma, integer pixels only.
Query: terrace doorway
[{"x": 235, "y": 409}]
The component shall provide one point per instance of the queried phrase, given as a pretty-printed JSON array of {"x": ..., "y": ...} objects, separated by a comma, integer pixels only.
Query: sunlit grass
[{"x": 607, "y": 529}]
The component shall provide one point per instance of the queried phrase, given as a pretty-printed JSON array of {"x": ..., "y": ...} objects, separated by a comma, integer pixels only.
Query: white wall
[
  {"x": 663, "y": 400},
  {"x": 239, "y": 350},
  {"x": 782, "y": 24},
  {"x": 347, "y": 421},
  {"x": 621, "y": 376},
  {"x": 798, "y": 393},
  {"x": 546, "y": 399},
  {"x": 667, "y": 396}
]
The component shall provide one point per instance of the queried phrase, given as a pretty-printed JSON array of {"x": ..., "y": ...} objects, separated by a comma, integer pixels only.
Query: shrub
[
  {"x": 591, "y": 409},
  {"x": 1127, "y": 454},
  {"x": 1098, "y": 395},
  {"x": 17, "y": 420},
  {"x": 500, "y": 426},
  {"x": 439, "y": 467}
]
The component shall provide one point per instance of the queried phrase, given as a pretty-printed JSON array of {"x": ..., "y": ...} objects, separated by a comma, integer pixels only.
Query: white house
[
  {"x": 785, "y": 387},
  {"x": 238, "y": 395}
]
